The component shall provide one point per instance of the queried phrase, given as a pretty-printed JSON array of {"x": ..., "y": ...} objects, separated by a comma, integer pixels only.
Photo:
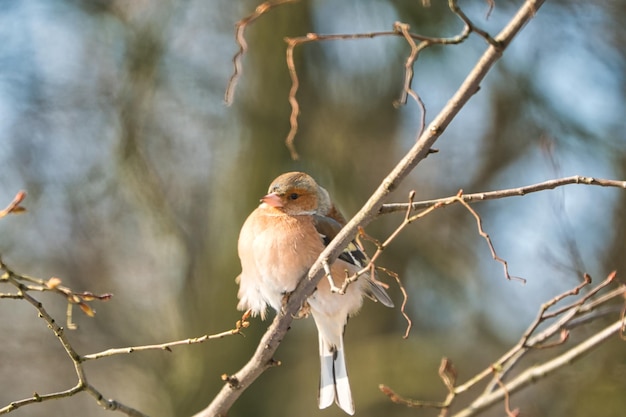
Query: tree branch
[
  {"x": 566, "y": 318},
  {"x": 82, "y": 384},
  {"x": 25, "y": 284},
  {"x": 166, "y": 346},
  {"x": 541, "y": 371},
  {"x": 511, "y": 192},
  {"x": 262, "y": 358}
]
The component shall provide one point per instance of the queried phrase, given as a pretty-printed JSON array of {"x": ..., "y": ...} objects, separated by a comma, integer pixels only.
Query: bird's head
[{"x": 294, "y": 193}]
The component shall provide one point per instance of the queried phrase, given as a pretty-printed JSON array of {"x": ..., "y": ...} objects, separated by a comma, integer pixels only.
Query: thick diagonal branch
[{"x": 263, "y": 357}]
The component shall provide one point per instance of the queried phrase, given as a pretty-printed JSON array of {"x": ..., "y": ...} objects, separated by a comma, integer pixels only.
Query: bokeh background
[{"x": 139, "y": 177}]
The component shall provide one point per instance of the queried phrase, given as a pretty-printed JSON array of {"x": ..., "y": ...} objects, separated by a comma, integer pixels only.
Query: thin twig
[
  {"x": 293, "y": 101},
  {"x": 25, "y": 284},
  {"x": 408, "y": 219},
  {"x": 471, "y": 27},
  {"x": 534, "y": 373},
  {"x": 609, "y": 279},
  {"x": 485, "y": 235},
  {"x": 529, "y": 341},
  {"x": 398, "y": 399},
  {"x": 400, "y": 29},
  {"x": 511, "y": 192},
  {"x": 162, "y": 346},
  {"x": 507, "y": 401},
  {"x": 14, "y": 206},
  {"x": 82, "y": 384},
  {"x": 499, "y": 389},
  {"x": 53, "y": 284},
  {"x": 240, "y": 28},
  {"x": 405, "y": 299}
]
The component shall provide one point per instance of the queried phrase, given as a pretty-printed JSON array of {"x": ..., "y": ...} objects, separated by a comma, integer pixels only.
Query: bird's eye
[{"x": 293, "y": 196}]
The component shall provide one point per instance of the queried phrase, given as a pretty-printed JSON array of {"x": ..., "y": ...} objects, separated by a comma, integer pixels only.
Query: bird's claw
[{"x": 304, "y": 311}]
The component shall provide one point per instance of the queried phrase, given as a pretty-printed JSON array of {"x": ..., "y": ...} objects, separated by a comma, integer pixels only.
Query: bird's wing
[{"x": 328, "y": 228}]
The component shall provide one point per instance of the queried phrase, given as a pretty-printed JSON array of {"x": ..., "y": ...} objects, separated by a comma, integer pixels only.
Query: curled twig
[
  {"x": 240, "y": 28},
  {"x": 485, "y": 235},
  {"x": 400, "y": 29},
  {"x": 405, "y": 298}
]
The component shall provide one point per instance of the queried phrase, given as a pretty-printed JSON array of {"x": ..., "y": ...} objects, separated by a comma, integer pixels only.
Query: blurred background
[{"x": 139, "y": 177}]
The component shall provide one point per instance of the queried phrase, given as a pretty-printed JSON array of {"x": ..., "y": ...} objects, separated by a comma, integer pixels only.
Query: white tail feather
[
  {"x": 327, "y": 383},
  {"x": 334, "y": 384},
  {"x": 342, "y": 385}
]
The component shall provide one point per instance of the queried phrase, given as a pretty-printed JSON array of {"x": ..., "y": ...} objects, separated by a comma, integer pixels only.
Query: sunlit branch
[
  {"x": 14, "y": 206},
  {"x": 511, "y": 192},
  {"x": 82, "y": 384},
  {"x": 24, "y": 285},
  {"x": 371, "y": 266},
  {"x": 537, "y": 372},
  {"x": 27, "y": 283},
  {"x": 263, "y": 356},
  {"x": 565, "y": 319},
  {"x": 167, "y": 346},
  {"x": 407, "y": 89}
]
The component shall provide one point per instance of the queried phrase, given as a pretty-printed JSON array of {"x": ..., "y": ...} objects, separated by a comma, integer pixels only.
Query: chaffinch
[{"x": 278, "y": 243}]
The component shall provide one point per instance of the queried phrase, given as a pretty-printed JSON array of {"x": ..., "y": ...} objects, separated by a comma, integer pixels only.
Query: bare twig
[
  {"x": 484, "y": 234},
  {"x": 403, "y": 28},
  {"x": 511, "y": 192},
  {"x": 507, "y": 401},
  {"x": 469, "y": 26},
  {"x": 529, "y": 341},
  {"x": 534, "y": 373},
  {"x": 295, "y": 106},
  {"x": 398, "y": 399},
  {"x": 380, "y": 247},
  {"x": 240, "y": 28},
  {"x": 408, "y": 219},
  {"x": 400, "y": 29},
  {"x": 53, "y": 284},
  {"x": 498, "y": 389},
  {"x": 82, "y": 384},
  {"x": 25, "y": 284},
  {"x": 14, "y": 206},
  {"x": 167, "y": 346},
  {"x": 405, "y": 298}
]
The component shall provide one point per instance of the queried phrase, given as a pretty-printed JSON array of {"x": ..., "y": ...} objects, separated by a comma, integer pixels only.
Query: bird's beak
[{"x": 273, "y": 200}]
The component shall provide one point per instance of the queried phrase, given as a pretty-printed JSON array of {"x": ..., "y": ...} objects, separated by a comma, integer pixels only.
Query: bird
[{"x": 278, "y": 243}]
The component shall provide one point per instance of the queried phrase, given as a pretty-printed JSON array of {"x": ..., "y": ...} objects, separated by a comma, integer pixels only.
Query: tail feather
[
  {"x": 334, "y": 384},
  {"x": 342, "y": 385},
  {"x": 327, "y": 381}
]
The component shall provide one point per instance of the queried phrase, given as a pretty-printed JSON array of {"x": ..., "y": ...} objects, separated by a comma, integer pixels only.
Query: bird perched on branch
[{"x": 278, "y": 243}]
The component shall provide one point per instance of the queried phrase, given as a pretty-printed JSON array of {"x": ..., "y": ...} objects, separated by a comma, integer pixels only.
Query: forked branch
[
  {"x": 498, "y": 388},
  {"x": 263, "y": 357}
]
